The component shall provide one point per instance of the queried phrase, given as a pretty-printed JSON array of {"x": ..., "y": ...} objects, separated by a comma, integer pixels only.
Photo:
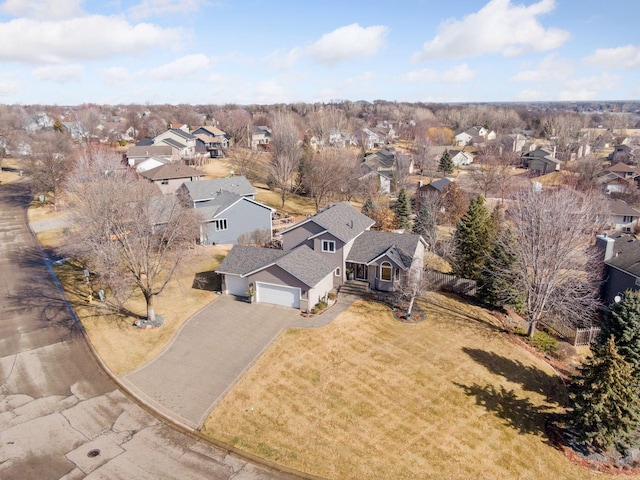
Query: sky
[{"x": 70, "y": 52}]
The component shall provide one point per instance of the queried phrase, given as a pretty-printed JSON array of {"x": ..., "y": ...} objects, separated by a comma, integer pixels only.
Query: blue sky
[{"x": 69, "y": 52}]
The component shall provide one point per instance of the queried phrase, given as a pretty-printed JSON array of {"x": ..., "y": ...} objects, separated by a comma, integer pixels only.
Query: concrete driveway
[{"x": 211, "y": 352}]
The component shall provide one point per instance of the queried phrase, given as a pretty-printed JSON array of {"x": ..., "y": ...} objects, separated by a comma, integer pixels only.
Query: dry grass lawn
[
  {"x": 121, "y": 346},
  {"x": 8, "y": 177},
  {"x": 368, "y": 397}
]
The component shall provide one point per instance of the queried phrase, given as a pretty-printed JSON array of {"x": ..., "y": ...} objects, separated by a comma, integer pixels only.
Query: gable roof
[
  {"x": 621, "y": 208},
  {"x": 438, "y": 185},
  {"x": 171, "y": 171},
  {"x": 215, "y": 207},
  {"x": 622, "y": 167},
  {"x": 302, "y": 262},
  {"x": 372, "y": 245},
  {"x": 211, "y": 130},
  {"x": 173, "y": 143},
  {"x": 340, "y": 219},
  {"x": 149, "y": 151},
  {"x": 208, "y": 189}
]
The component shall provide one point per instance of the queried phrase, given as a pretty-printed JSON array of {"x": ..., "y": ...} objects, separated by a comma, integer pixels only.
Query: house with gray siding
[
  {"x": 323, "y": 252},
  {"x": 621, "y": 255},
  {"x": 227, "y": 208}
]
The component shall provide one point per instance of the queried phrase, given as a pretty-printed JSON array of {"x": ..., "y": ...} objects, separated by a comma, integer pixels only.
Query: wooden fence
[
  {"x": 574, "y": 335},
  {"x": 451, "y": 283}
]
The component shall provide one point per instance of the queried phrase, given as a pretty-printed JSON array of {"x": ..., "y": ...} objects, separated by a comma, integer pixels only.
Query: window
[
  {"x": 220, "y": 224},
  {"x": 165, "y": 181},
  {"x": 397, "y": 274},
  {"x": 627, "y": 219},
  {"x": 385, "y": 271},
  {"x": 337, "y": 272},
  {"x": 328, "y": 246}
]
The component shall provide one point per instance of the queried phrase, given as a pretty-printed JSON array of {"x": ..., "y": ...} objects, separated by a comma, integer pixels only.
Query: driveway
[{"x": 212, "y": 351}]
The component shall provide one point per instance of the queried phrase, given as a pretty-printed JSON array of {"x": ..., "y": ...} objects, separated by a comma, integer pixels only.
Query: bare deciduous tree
[
  {"x": 235, "y": 122},
  {"x": 323, "y": 173},
  {"x": 555, "y": 261},
  {"x": 48, "y": 163},
  {"x": 286, "y": 151},
  {"x": 124, "y": 230}
]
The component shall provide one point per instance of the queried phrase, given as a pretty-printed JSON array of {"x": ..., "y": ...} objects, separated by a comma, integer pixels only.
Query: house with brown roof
[
  {"x": 171, "y": 176},
  {"x": 622, "y": 216}
]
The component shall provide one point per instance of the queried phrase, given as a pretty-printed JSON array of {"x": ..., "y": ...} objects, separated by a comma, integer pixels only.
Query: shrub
[
  {"x": 331, "y": 295},
  {"x": 544, "y": 342}
]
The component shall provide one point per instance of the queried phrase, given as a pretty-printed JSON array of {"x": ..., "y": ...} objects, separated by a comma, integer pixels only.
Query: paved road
[
  {"x": 211, "y": 352},
  {"x": 61, "y": 416}
]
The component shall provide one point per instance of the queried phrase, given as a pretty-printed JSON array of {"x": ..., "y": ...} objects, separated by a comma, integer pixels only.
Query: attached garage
[{"x": 278, "y": 294}]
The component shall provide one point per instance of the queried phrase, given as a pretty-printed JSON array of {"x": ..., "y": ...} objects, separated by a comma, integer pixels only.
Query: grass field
[
  {"x": 119, "y": 344},
  {"x": 370, "y": 398}
]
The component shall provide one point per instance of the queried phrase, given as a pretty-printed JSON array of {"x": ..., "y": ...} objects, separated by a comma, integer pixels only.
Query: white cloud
[
  {"x": 588, "y": 88},
  {"x": 458, "y": 74},
  {"x": 156, "y": 8},
  {"x": 42, "y": 9},
  {"x": 550, "y": 68},
  {"x": 59, "y": 73},
  {"x": 8, "y": 84},
  {"x": 626, "y": 57},
  {"x": 532, "y": 94},
  {"x": 116, "y": 76},
  {"x": 351, "y": 42},
  {"x": 499, "y": 27},
  {"x": 183, "y": 67},
  {"x": 86, "y": 38}
]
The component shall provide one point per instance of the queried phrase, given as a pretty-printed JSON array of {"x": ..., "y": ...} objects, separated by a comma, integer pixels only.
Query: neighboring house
[
  {"x": 150, "y": 163},
  {"x": 227, "y": 208},
  {"x": 171, "y": 176},
  {"x": 624, "y": 153},
  {"x": 369, "y": 139},
  {"x": 621, "y": 254},
  {"x": 211, "y": 140},
  {"x": 183, "y": 143},
  {"x": 612, "y": 183},
  {"x": 259, "y": 137},
  {"x": 623, "y": 170},
  {"x": 330, "y": 247},
  {"x": 341, "y": 140},
  {"x": 136, "y": 155},
  {"x": 474, "y": 135},
  {"x": 436, "y": 187},
  {"x": 460, "y": 157},
  {"x": 541, "y": 161},
  {"x": 385, "y": 164},
  {"x": 622, "y": 216}
]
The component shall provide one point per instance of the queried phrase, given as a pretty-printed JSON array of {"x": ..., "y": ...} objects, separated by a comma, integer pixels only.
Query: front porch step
[{"x": 354, "y": 287}]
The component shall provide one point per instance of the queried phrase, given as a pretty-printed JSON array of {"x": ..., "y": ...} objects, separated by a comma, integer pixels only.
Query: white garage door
[
  {"x": 236, "y": 285},
  {"x": 278, "y": 294}
]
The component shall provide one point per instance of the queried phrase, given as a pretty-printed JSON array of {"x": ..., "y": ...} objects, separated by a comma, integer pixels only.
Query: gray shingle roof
[
  {"x": 371, "y": 245},
  {"x": 173, "y": 143},
  {"x": 171, "y": 170},
  {"x": 341, "y": 220},
  {"x": 149, "y": 150},
  {"x": 303, "y": 263},
  {"x": 242, "y": 260},
  {"x": 620, "y": 207},
  {"x": 208, "y": 189},
  {"x": 211, "y": 208},
  {"x": 626, "y": 254}
]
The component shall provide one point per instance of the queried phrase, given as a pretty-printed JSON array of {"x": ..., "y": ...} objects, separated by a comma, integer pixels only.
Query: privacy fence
[{"x": 462, "y": 286}]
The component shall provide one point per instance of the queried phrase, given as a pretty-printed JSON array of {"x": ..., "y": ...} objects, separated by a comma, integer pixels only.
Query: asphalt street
[{"x": 61, "y": 415}]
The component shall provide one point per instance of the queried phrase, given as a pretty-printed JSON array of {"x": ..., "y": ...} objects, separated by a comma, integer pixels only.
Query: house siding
[
  {"x": 318, "y": 292},
  {"x": 618, "y": 282},
  {"x": 173, "y": 184},
  {"x": 239, "y": 216},
  {"x": 299, "y": 235}
]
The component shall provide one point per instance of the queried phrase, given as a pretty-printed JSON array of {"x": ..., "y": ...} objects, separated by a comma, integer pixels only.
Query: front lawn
[{"x": 368, "y": 397}]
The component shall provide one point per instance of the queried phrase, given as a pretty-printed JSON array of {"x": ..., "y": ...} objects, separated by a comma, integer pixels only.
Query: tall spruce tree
[
  {"x": 623, "y": 324},
  {"x": 606, "y": 405},
  {"x": 426, "y": 221},
  {"x": 473, "y": 237},
  {"x": 446, "y": 164},
  {"x": 498, "y": 281},
  {"x": 402, "y": 210},
  {"x": 368, "y": 207}
]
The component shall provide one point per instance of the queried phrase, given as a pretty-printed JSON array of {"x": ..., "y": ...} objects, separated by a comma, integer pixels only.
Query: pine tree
[
  {"x": 402, "y": 210},
  {"x": 425, "y": 223},
  {"x": 472, "y": 240},
  {"x": 606, "y": 405},
  {"x": 446, "y": 164},
  {"x": 497, "y": 285},
  {"x": 624, "y": 325},
  {"x": 368, "y": 208}
]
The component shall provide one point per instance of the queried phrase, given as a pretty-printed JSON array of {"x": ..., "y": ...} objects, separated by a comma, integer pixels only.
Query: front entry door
[{"x": 361, "y": 271}]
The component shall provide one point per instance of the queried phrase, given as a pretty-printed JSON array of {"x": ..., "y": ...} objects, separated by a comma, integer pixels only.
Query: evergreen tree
[
  {"x": 446, "y": 164},
  {"x": 606, "y": 405},
  {"x": 472, "y": 240},
  {"x": 368, "y": 208},
  {"x": 402, "y": 210},
  {"x": 498, "y": 285},
  {"x": 623, "y": 324},
  {"x": 425, "y": 223}
]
